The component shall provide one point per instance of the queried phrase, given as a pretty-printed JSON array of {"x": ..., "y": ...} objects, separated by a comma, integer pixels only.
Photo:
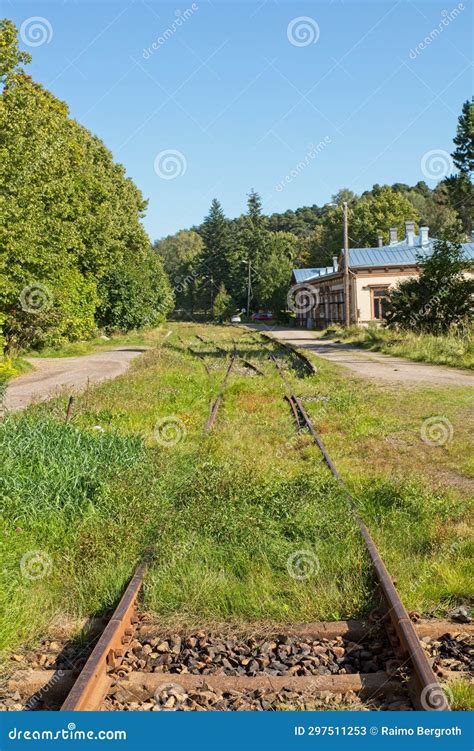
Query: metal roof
[
  {"x": 399, "y": 254},
  {"x": 302, "y": 275}
]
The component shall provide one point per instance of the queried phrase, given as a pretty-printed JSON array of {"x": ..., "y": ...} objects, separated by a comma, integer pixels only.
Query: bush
[
  {"x": 51, "y": 312},
  {"x": 134, "y": 295},
  {"x": 440, "y": 298}
]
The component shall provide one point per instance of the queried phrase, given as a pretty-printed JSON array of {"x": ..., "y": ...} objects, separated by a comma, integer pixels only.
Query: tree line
[
  {"x": 74, "y": 255},
  {"x": 207, "y": 264}
]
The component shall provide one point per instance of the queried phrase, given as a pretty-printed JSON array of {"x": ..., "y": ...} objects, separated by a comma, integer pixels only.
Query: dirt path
[
  {"x": 54, "y": 373},
  {"x": 374, "y": 365}
]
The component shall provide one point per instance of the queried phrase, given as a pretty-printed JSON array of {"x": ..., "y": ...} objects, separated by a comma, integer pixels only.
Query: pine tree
[
  {"x": 463, "y": 155},
  {"x": 217, "y": 245},
  {"x": 460, "y": 187},
  {"x": 223, "y": 303}
]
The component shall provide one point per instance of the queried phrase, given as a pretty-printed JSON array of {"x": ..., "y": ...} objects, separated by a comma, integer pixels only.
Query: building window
[{"x": 379, "y": 302}]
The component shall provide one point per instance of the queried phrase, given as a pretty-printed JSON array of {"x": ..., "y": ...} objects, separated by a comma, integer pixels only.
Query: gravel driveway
[
  {"x": 374, "y": 365},
  {"x": 51, "y": 374}
]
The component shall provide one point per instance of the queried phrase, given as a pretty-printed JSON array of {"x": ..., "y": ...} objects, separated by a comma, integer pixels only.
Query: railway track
[
  {"x": 428, "y": 693},
  {"x": 387, "y": 662}
]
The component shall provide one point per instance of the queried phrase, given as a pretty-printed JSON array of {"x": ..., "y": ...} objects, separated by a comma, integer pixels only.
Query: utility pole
[
  {"x": 347, "y": 301},
  {"x": 248, "y": 289}
]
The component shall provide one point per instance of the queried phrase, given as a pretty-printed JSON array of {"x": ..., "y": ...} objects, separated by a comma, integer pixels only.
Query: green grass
[
  {"x": 100, "y": 343},
  {"x": 455, "y": 349},
  {"x": 461, "y": 695},
  {"x": 230, "y": 514}
]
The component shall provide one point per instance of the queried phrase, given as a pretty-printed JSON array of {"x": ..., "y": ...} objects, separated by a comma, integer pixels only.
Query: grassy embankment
[
  {"x": 232, "y": 514},
  {"x": 455, "y": 350}
]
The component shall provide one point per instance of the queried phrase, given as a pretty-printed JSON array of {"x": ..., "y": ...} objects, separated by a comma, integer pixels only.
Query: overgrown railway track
[{"x": 134, "y": 664}]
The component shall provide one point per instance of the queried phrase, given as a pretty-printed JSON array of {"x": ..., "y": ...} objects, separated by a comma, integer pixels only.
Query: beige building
[{"x": 319, "y": 293}]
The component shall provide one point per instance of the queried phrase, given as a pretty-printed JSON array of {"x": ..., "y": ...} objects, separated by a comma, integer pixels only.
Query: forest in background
[
  {"x": 207, "y": 264},
  {"x": 75, "y": 258}
]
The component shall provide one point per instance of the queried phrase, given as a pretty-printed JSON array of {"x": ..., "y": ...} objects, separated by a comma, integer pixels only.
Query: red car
[{"x": 261, "y": 316}]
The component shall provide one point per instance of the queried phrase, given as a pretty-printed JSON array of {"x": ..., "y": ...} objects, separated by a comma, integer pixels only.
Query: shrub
[{"x": 439, "y": 298}]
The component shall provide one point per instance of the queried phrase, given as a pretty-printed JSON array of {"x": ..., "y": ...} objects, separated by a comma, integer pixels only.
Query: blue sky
[{"x": 241, "y": 93}]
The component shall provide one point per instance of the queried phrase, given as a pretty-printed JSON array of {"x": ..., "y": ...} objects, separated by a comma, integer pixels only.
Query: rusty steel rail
[
  {"x": 304, "y": 359},
  {"x": 253, "y": 367},
  {"x": 93, "y": 683},
  {"x": 218, "y": 401},
  {"x": 429, "y": 695}
]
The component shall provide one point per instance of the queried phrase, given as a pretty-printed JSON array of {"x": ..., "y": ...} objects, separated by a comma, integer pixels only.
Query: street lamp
[
  {"x": 248, "y": 285},
  {"x": 347, "y": 302},
  {"x": 346, "y": 267}
]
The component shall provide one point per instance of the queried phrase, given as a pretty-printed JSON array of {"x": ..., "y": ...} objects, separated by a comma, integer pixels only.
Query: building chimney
[
  {"x": 393, "y": 235},
  {"x": 380, "y": 240},
  {"x": 424, "y": 239},
  {"x": 335, "y": 264},
  {"x": 410, "y": 233}
]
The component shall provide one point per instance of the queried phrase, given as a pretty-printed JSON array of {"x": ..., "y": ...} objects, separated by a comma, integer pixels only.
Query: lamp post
[
  {"x": 249, "y": 285},
  {"x": 347, "y": 302}
]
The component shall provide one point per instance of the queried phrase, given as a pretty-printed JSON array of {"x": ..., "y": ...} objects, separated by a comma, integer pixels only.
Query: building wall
[
  {"x": 331, "y": 295},
  {"x": 365, "y": 282}
]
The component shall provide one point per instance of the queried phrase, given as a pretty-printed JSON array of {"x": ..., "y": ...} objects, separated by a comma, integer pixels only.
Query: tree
[
  {"x": 223, "y": 303},
  {"x": 71, "y": 217},
  {"x": 181, "y": 255},
  {"x": 376, "y": 212},
  {"x": 434, "y": 210},
  {"x": 134, "y": 295},
  {"x": 439, "y": 298},
  {"x": 463, "y": 154},
  {"x": 10, "y": 55},
  {"x": 215, "y": 258},
  {"x": 460, "y": 186},
  {"x": 254, "y": 232},
  {"x": 274, "y": 272}
]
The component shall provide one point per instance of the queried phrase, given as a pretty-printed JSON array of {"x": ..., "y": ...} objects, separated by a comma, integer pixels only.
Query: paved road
[
  {"x": 51, "y": 374},
  {"x": 373, "y": 365}
]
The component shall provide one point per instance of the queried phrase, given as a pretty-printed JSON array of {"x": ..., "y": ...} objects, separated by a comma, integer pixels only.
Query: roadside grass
[
  {"x": 462, "y": 695},
  {"x": 455, "y": 349},
  {"x": 247, "y": 523},
  {"x": 403, "y": 431},
  {"x": 147, "y": 337}
]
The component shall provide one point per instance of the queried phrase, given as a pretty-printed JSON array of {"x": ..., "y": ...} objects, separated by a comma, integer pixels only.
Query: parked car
[
  {"x": 236, "y": 319},
  {"x": 262, "y": 316}
]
